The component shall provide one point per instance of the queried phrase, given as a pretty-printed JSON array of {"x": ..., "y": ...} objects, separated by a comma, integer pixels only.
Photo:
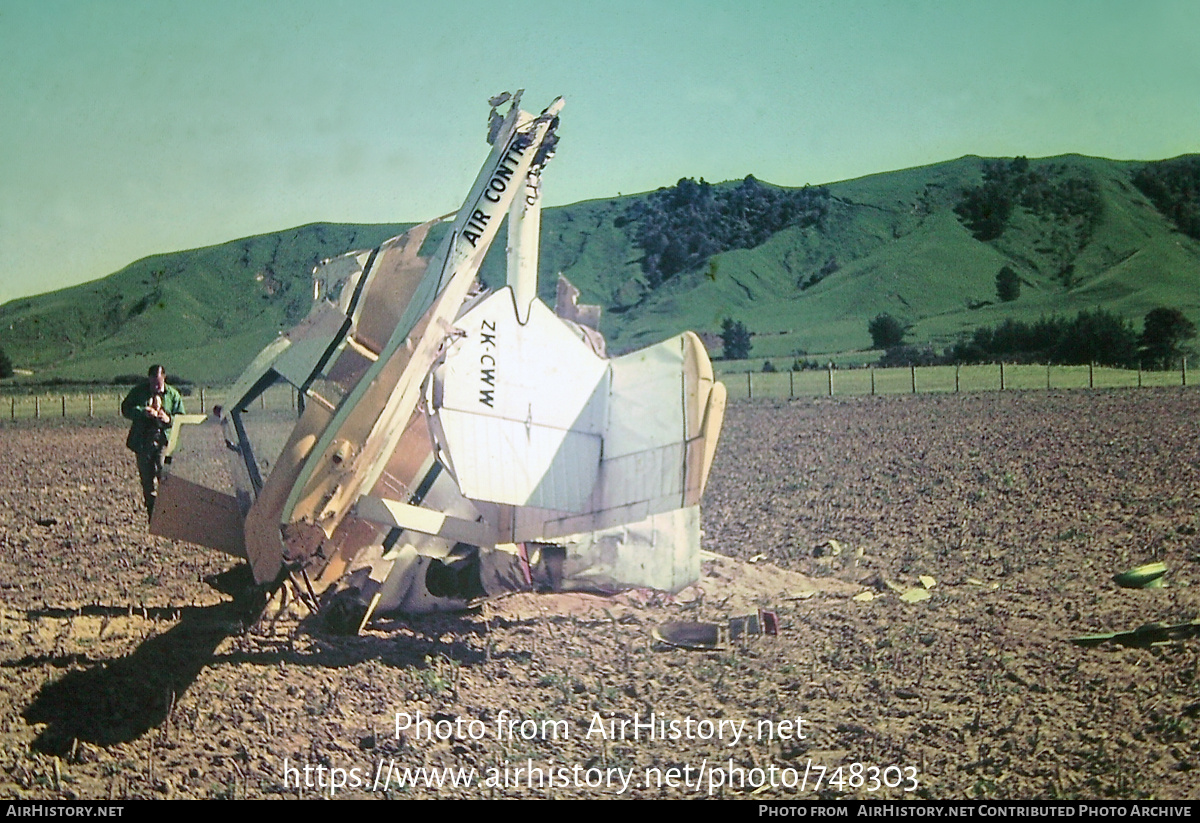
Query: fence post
[
  {"x": 12, "y": 410},
  {"x": 1047, "y": 377},
  {"x": 872, "y": 381},
  {"x": 912, "y": 375},
  {"x": 1139, "y": 374},
  {"x": 956, "y": 368},
  {"x": 37, "y": 407},
  {"x": 91, "y": 407},
  {"x": 1001, "y": 375},
  {"x": 749, "y": 387},
  {"x": 203, "y": 410},
  {"x": 64, "y": 405},
  {"x": 1183, "y": 371},
  {"x": 1091, "y": 376},
  {"x": 830, "y": 372},
  {"x": 791, "y": 385}
]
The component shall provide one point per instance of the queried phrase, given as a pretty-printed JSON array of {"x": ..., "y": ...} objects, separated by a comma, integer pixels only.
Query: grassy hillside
[
  {"x": 899, "y": 248},
  {"x": 205, "y": 312},
  {"x": 890, "y": 242}
]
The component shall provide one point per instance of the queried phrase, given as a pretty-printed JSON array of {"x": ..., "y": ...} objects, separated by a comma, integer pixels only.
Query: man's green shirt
[{"x": 146, "y": 433}]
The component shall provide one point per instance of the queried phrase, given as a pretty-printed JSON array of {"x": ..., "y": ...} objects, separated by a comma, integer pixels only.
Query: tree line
[{"x": 1098, "y": 336}]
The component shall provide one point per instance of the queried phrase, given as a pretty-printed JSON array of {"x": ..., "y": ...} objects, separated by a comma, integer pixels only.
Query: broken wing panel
[
  {"x": 646, "y": 408},
  {"x": 197, "y": 514},
  {"x": 197, "y": 498},
  {"x": 309, "y": 341},
  {"x": 539, "y": 370},
  {"x": 663, "y": 420},
  {"x": 395, "y": 276},
  {"x": 521, "y": 408},
  {"x": 522, "y": 464}
]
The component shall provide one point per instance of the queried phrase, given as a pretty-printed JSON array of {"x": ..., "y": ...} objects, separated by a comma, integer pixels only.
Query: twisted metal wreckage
[{"x": 452, "y": 443}]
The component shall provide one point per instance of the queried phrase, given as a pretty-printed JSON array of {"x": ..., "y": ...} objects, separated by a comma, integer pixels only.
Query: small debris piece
[
  {"x": 864, "y": 597},
  {"x": 927, "y": 581},
  {"x": 1148, "y": 576},
  {"x": 830, "y": 548},
  {"x": 1147, "y": 635},
  {"x": 709, "y": 636},
  {"x": 915, "y": 595}
]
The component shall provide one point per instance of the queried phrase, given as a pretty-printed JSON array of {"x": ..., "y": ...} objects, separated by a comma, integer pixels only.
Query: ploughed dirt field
[{"x": 929, "y": 558}]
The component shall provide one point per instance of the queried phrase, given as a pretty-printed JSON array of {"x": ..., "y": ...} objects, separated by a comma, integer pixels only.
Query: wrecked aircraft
[{"x": 448, "y": 443}]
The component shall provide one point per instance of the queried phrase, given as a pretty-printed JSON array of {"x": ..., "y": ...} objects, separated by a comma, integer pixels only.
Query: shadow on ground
[{"x": 120, "y": 700}]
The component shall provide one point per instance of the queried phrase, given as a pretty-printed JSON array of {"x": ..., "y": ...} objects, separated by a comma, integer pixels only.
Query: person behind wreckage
[{"x": 151, "y": 406}]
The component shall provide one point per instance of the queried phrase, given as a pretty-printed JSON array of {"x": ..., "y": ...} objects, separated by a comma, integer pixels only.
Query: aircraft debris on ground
[{"x": 451, "y": 443}]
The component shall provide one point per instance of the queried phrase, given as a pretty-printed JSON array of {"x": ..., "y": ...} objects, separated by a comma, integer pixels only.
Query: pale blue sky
[{"x": 131, "y": 128}]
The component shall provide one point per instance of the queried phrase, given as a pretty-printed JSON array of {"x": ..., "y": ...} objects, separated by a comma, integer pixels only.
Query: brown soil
[{"x": 124, "y": 674}]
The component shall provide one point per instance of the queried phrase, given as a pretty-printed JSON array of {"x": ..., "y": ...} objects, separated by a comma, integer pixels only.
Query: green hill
[{"x": 923, "y": 245}]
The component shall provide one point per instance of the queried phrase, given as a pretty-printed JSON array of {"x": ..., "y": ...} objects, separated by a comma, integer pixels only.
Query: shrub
[
  {"x": 886, "y": 331},
  {"x": 1163, "y": 335},
  {"x": 735, "y": 340},
  {"x": 1008, "y": 284}
]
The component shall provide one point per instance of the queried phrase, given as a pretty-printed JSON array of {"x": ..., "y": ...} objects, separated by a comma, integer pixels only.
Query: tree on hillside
[
  {"x": 886, "y": 331},
  {"x": 1045, "y": 192},
  {"x": 1008, "y": 284},
  {"x": 1173, "y": 186},
  {"x": 1163, "y": 335},
  {"x": 6, "y": 368},
  {"x": 735, "y": 340},
  {"x": 679, "y": 228}
]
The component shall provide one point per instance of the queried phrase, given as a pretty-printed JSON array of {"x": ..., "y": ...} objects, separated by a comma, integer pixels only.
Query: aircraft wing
[{"x": 551, "y": 439}]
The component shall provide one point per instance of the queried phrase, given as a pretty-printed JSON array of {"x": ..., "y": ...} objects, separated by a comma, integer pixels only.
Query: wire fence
[
  {"x": 106, "y": 404},
  {"x": 832, "y": 382},
  {"x": 99, "y": 405}
]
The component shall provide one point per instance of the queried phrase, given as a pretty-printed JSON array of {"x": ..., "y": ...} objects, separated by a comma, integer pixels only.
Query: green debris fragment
[
  {"x": 1147, "y": 635},
  {"x": 1148, "y": 576}
]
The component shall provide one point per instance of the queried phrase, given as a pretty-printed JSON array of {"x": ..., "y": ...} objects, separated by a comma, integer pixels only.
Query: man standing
[{"x": 150, "y": 406}]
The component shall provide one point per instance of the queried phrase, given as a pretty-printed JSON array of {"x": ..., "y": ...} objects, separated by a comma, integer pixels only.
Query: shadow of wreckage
[{"x": 120, "y": 700}]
